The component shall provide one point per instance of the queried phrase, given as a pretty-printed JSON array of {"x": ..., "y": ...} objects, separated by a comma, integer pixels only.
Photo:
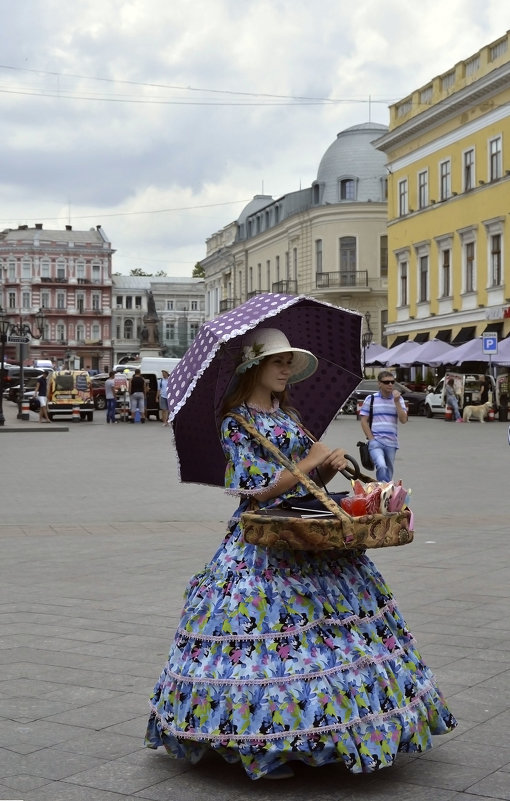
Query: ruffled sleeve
[{"x": 248, "y": 468}]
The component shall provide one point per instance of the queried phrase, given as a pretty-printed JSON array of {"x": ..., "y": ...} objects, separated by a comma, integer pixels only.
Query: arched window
[{"x": 128, "y": 329}]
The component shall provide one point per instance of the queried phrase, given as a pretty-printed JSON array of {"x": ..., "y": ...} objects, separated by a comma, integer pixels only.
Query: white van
[
  {"x": 153, "y": 364},
  {"x": 468, "y": 388}
]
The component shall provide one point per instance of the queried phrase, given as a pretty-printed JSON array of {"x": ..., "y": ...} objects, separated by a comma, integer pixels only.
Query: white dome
[{"x": 352, "y": 155}]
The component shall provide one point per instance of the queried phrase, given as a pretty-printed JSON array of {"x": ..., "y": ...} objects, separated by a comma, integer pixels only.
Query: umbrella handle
[{"x": 351, "y": 472}]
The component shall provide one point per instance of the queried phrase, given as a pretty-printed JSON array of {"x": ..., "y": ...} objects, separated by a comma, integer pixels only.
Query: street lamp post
[
  {"x": 21, "y": 333},
  {"x": 4, "y": 327},
  {"x": 366, "y": 339}
]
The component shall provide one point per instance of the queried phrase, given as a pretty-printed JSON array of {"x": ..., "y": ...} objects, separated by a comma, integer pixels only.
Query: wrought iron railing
[{"x": 342, "y": 279}]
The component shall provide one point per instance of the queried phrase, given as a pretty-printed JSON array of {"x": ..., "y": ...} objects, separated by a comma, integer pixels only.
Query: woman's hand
[
  {"x": 315, "y": 457},
  {"x": 335, "y": 460}
]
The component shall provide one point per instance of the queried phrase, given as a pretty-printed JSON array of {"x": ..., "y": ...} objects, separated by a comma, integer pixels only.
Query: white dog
[{"x": 476, "y": 411}]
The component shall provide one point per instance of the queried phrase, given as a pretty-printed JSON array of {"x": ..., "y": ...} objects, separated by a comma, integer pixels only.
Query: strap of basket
[{"x": 310, "y": 485}]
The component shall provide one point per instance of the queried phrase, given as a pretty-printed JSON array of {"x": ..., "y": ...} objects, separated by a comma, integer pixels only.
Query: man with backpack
[{"x": 379, "y": 420}]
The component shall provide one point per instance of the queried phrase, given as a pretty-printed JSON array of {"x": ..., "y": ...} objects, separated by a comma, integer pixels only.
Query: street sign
[
  {"x": 490, "y": 343},
  {"x": 16, "y": 339}
]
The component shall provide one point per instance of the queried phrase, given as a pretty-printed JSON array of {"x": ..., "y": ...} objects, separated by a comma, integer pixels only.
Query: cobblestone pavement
[{"x": 98, "y": 540}]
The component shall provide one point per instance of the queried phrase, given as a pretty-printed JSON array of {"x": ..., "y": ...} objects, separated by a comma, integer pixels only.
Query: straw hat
[{"x": 264, "y": 342}]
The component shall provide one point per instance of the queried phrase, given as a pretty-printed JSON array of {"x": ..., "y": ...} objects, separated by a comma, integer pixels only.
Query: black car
[
  {"x": 12, "y": 378},
  {"x": 415, "y": 401}
]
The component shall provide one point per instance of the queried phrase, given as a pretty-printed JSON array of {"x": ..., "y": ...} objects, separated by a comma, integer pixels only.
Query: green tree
[
  {"x": 198, "y": 271},
  {"x": 139, "y": 272}
]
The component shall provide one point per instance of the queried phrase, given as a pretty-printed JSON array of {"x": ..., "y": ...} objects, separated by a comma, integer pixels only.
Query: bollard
[
  {"x": 25, "y": 410},
  {"x": 76, "y": 415},
  {"x": 448, "y": 414}
]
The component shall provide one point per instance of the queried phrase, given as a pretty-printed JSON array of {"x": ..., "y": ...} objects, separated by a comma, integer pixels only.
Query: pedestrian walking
[
  {"x": 161, "y": 396},
  {"x": 282, "y": 655},
  {"x": 452, "y": 400},
  {"x": 137, "y": 392},
  {"x": 111, "y": 397},
  {"x": 41, "y": 393},
  {"x": 387, "y": 411}
]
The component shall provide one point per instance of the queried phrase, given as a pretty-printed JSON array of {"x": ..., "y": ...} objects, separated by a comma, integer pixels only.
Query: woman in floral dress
[{"x": 286, "y": 655}]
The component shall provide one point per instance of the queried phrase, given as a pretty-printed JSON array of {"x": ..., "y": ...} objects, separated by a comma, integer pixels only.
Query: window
[
  {"x": 469, "y": 170},
  {"x": 26, "y": 268},
  {"x": 129, "y": 302},
  {"x": 469, "y": 254},
  {"x": 128, "y": 329},
  {"x": 495, "y": 164},
  {"x": 96, "y": 274},
  {"x": 383, "y": 255},
  {"x": 318, "y": 255},
  {"x": 268, "y": 271},
  {"x": 169, "y": 305},
  {"x": 294, "y": 264},
  {"x": 118, "y": 302},
  {"x": 423, "y": 279},
  {"x": 61, "y": 300},
  {"x": 276, "y": 214},
  {"x": 138, "y": 302},
  {"x": 403, "y": 284},
  {"x": 12, "y": 300},
  {"x": 96, "y": 301},
  {"x": 61, "y": 332},
  {"x": 45, "y": 300},
  {"x": 80, "y": 302},
  {"x": 347, "y": 189},
  {"x": 193, "y": 330},
  {"x": 25, "y": 300},
  {"x": 194, "y": 303},
  {"x": 402, "y": 197},
  {"x": 61, "y": 269},
  {"x": 495, "y": 260},
  {"x": 80, "y": 332},
  {"x": 169, "y": 331},
  {"x": 96, "y": 332},
  {"x": 12, "y": 270},
  {"x": 348, "y": 261},
  {"x": 445, "y": 273},
  {"x": 445, "y": 179},
  {"x": 423, "y": 189},
  {"x": 80, "y": 269},
  {"x": 45, "y": 268}
]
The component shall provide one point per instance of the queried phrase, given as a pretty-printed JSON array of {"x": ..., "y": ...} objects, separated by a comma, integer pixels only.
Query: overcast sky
[{"x": 160, "y": 120}]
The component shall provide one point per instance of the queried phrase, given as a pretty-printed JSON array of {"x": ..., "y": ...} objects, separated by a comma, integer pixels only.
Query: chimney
[
  {"x": 98, "y": 227},
  {"x": 39, "y": 226},
  {"x": 69, "y": 227}
]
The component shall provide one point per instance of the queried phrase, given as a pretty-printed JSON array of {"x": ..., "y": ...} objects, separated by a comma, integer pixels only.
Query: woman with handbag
[{"x": 283, "y": 656}]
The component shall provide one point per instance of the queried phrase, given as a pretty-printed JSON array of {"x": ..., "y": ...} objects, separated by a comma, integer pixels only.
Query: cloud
[{"x": 126, "y": 108}]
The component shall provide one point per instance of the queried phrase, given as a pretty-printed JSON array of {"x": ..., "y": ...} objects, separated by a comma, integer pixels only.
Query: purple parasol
[{"x": 198, "y": 385}]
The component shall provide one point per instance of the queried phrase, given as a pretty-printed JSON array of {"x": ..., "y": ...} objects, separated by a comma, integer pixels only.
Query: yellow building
[{"x": 448, "y": 160}]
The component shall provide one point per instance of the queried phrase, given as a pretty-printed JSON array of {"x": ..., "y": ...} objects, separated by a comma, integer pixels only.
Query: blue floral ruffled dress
[{"x": 283, "y": 656}]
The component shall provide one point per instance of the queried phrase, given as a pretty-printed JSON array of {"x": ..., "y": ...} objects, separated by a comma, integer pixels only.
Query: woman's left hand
[{"x": 336, "y": 460}]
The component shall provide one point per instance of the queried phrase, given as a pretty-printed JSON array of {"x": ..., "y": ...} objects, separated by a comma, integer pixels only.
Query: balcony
[
  {"x": 288, "y": 287},
  {"x": 353, "y": 278},
  {"x": 48, "y": 279},
  {"x": 228, "y": 304},
  {"x": 256, "y": 292}
]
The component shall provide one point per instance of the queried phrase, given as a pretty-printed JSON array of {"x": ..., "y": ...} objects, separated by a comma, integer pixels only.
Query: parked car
[
  {"x": 12, "y": 376},
  {"x": 13, "y": 393},
  {"x": 415, "y": 401},
  {"x": 69, "y": 390}
]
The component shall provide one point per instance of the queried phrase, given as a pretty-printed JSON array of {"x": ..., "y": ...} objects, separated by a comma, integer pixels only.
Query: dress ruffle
[{"x": 294, "y": 656}]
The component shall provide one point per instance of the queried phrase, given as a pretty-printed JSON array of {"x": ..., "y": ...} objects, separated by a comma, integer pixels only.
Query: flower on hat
[{"x": 252, "y": 354}]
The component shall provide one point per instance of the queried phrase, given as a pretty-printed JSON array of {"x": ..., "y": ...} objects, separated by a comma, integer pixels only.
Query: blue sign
[{"x": 490, "y": 343}]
